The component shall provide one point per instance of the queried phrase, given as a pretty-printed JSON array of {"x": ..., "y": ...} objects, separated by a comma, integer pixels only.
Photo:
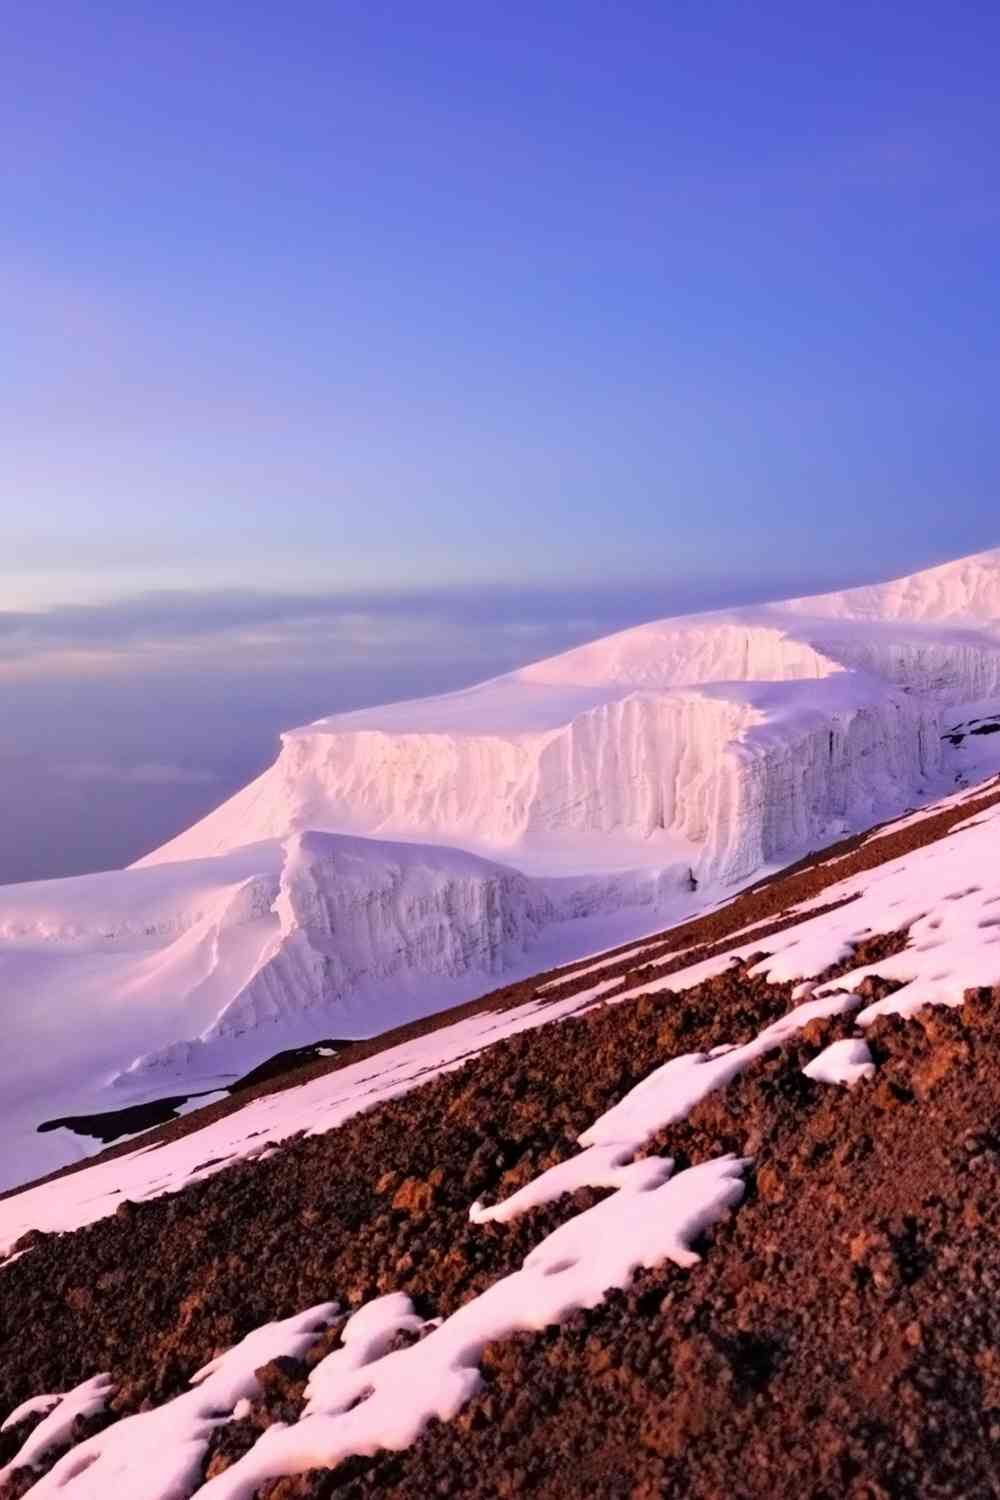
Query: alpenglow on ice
[{"x": 399, "y": 859}]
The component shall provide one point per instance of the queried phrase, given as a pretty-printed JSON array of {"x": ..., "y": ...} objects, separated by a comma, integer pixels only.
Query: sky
[{"x": 350, "y": 351}]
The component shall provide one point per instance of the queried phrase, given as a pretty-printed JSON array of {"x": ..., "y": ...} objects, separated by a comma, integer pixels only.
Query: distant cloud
[
  {"x": 152, "y": 773},
  {"x": 209, "y": 630}
]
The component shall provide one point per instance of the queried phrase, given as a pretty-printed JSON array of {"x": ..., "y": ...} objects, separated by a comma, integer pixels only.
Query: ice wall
[
  {"x": 353, "y": 917},
  {"x": 743, "y": 736},
  {"x": 957, "y": 667},
  {"x": 732, "y": 781},
  {"x": 638, "y": 764},
  {"x": 797, "y": 782}
]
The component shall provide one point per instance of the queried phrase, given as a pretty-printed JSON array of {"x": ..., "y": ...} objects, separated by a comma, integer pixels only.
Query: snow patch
[
  {"x": 158, "y": 1454},
  {"x": 846, "y": 1062},
  {"x": 83, "y": 1401},
  {"x": 29, "y": 1408},
  {"x": 363, "y": 1400}
]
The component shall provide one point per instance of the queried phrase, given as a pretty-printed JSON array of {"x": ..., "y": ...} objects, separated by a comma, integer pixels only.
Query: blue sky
[
  {"x": 336, "y": 294},
  {"x": 588, "y": 309}
]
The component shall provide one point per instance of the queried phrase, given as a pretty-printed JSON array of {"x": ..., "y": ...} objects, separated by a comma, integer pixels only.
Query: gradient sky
[{"x": 583, "y": 310}]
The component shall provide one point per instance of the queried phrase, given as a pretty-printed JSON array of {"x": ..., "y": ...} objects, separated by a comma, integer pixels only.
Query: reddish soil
[{"x": 840, "y": 1338}]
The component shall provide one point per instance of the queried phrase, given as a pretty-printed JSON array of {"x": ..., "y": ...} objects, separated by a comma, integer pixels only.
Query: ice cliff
[
  {"x": 721, "y": 741},
  {"x": 353, "y": 918},
  {"x": 398, "y": 859}
]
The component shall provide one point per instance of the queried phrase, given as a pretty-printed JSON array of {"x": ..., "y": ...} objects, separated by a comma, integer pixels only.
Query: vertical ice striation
[
  {"x": 727, "y": 776},
  {"x": 354, "y": 915}
]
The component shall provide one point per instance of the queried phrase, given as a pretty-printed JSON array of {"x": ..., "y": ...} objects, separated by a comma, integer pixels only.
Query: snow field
[
  {"x": 732, "y": 738},
  {"x": 362, "y": 1407}
]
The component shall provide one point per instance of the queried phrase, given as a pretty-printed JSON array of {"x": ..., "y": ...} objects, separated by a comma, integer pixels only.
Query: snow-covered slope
[
  {"x": 962, "y": 592},
  {"x": 395, "y": 860},
  {"x": 176, "y": 978}
]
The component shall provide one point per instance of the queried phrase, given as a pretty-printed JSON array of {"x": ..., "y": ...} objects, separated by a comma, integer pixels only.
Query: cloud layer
[
  {"x": 149, "y": 773},
  {"x": 205, "y": 630}
]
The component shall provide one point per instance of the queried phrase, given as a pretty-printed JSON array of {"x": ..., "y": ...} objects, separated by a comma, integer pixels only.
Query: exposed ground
[{"x": 840, "y": 1337}]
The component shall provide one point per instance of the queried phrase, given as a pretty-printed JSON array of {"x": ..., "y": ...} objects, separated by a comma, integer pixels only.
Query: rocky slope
[{"x": 713, "y": 1212}]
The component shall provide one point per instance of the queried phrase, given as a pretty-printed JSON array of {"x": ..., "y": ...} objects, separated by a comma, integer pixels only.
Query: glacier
[
  {"x": 398, "y": 859},
  {"x": 724, "y": 741}
]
